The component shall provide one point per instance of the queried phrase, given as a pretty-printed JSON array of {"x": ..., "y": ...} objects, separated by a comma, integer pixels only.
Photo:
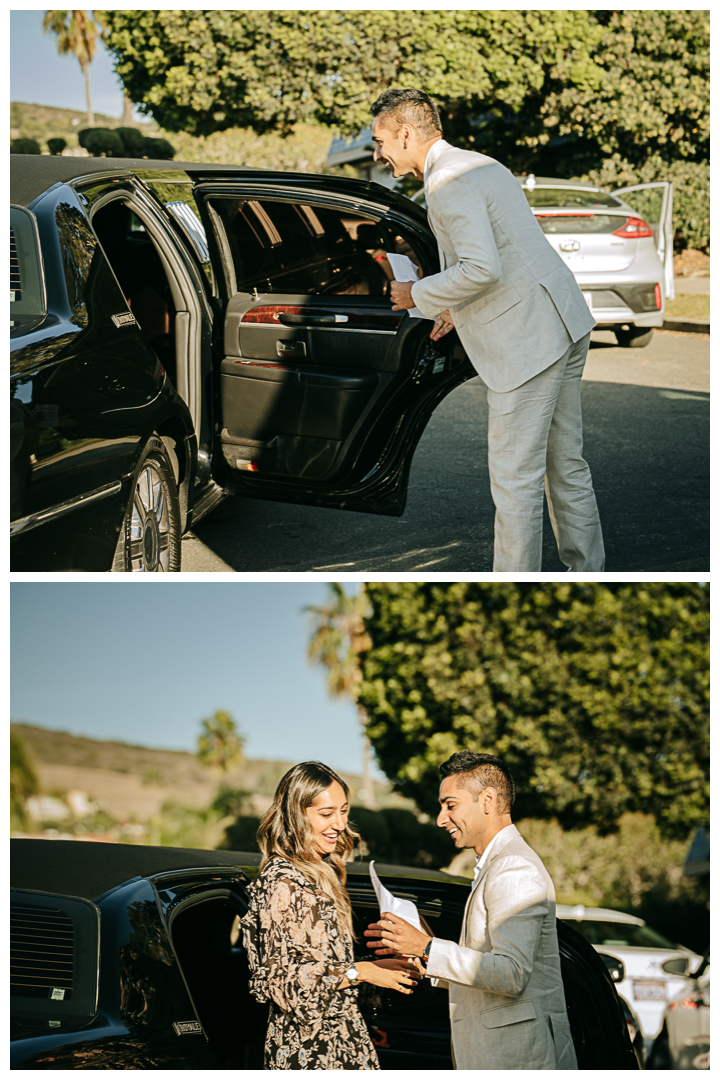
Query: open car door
[
  {"x": 322, "y": 390},
  {"x": 655, "y": 205}
]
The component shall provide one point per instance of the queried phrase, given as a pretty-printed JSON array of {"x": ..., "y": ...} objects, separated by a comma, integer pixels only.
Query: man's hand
[
  {"x": 395, "y": 935},
  {"x": 401, "y": 293},
  {"x": 443, "y": 326}
]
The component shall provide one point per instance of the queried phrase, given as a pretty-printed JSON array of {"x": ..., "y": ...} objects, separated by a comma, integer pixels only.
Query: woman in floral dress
[{"x": 298, "y": 930}]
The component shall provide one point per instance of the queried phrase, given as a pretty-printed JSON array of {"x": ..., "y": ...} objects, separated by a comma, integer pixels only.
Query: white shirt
[
  {"x": 433, "y": 153},
  {"x": 482, "y": 859}
]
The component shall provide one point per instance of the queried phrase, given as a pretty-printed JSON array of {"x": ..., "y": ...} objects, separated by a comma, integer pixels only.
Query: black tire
[
  {"x": 634, "y": 338},
  {"x": 149, "y": 541}
]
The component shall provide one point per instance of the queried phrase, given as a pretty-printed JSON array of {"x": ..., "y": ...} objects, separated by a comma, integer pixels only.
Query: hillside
[
  {"x": 43, "y": 122},
  {"x": 131, "y": 783},
  {"x": 305, "y": 150}
]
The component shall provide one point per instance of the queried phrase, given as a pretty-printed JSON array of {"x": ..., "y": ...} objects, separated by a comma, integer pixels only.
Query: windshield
[
  {"x": 618, "y": 933},
  {"x": 566, "y": 197},
  {"x": 27, "y": 304}
]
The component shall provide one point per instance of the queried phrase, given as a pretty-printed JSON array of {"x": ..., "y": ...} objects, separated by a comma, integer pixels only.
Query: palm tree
[
  {"x": 76, "y": 33},
  {"x": 220, "y": 746},
  {"x": 338, "y": 641}
]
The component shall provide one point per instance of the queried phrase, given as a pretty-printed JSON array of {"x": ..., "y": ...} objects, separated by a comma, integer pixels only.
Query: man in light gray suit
[
  {"x": 507, "y": 1003},
  {"x": 521, "y": 319}
]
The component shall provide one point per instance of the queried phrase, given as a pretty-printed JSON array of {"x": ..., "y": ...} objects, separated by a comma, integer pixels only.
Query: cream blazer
[
  {"x": 515, "y": 304},
  {"x": 507, "y": 1003}
]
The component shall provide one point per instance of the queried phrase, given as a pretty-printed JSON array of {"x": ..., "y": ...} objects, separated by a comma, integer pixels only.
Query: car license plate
[
  {"x": 588, "y": 299},
  {"x": 649, "y": 990}
]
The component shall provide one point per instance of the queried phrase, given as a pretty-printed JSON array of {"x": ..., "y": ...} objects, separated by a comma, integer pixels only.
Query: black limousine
[
  {"x": 129, "y": 957},
  {"x": 181, "y": 332}
]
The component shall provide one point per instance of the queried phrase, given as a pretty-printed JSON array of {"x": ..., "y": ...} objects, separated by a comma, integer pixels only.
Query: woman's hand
[{"x": 397, "y": 975}]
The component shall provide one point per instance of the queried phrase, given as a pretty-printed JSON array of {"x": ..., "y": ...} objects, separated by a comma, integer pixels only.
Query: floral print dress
[{"x": 297, "y": 956}]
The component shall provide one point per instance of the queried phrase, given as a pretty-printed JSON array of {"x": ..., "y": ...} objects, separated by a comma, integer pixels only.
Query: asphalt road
[{"x": 646, "y": 424}]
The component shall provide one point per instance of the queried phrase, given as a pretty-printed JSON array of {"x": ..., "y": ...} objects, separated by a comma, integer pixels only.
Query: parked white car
[
  {"x": 620, "y": 252},
  {"x": 650, "y": 970},
  {"x": 684, "y": 1039}
]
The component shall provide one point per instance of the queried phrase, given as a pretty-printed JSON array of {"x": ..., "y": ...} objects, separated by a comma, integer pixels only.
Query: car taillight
[
  {"x": 633, "y": 229},
  {"x": 688, "y": 1003},
  {"x": 658, "y": 297}
]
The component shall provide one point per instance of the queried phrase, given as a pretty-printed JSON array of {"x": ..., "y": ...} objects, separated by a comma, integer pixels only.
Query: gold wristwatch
[{"x": 352, "y": 975}]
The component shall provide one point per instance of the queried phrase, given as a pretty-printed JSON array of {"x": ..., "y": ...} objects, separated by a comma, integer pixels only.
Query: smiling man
[
  {"x": 507, "y": 1003},
  {"x": 522, "y": 321}
]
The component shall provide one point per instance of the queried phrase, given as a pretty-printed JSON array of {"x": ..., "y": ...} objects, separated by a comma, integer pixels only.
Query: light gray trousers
[{"x": 535, "y": 444}]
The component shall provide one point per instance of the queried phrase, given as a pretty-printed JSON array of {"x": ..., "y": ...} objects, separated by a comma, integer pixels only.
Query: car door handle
[{"x": 310, "y": 320}]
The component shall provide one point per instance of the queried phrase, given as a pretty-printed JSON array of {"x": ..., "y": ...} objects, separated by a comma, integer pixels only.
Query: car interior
[
  {"x": 140, "y": 271},
  {"x": 214, "y": 964}
]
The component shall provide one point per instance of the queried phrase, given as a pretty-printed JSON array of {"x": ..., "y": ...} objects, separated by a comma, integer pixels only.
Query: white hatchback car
[
  {"x": 621, "y": 255},
  {"x": 650, "y": 970}
]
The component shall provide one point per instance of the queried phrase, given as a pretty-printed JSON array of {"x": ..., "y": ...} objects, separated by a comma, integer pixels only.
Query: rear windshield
[
  {"x": 567, "y": 197},
  {"x": 579, "y": 222},
  {"x": 618, "y": 933},
  {"x": 53, "y": 959},
  {"x": 27, "y": 302}
]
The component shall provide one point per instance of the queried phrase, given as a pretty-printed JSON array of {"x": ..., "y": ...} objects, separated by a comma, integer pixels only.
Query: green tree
[
  {"x": 220, "y": 746},
  {"x": 25, "y": 146},
  {"x": 76, "y": 33},
  {"x": 205, "y": 71},
  {"x": 595, "y": 695},
  {"x": 23, "y": 781},
  {"x": 56, "y": 146},
  {"x": 338, "y": 641}
]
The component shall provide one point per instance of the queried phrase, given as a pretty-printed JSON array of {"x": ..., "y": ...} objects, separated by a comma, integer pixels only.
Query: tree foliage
[
  {"x": 56, "y": 146},
  {"x": 630, "y": 82},
  {"x": 25, "y": 146},
  {"x": 23, "y": 781},
  {"x": 76, "y": 33},
  {"x": 595, "y": 695},
  {"x": 338, "y": 641},
  {"x": 220, "y": 746}
]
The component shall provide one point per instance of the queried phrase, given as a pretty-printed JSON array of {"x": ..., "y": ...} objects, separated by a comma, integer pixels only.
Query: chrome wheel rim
[{"x": 150, "y": 524}]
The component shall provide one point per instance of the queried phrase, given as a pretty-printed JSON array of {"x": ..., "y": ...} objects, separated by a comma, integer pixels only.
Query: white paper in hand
[
  {"x": 387, "y": 902},
  {"x": 404, "y": 269}
]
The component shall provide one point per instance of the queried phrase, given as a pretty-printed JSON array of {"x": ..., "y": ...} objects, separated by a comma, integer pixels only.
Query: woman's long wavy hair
[{"x": 285, "y": 830}]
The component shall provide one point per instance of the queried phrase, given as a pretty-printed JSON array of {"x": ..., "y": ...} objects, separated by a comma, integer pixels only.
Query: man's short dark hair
[
  {"x": 409, "y": 107},
  {"x": 479, "y": 771}
]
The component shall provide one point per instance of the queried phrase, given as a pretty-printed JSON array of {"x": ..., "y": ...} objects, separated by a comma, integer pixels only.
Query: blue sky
[
  {"x": 38, "y": 75},
  {"x": 145, "y": 662}
]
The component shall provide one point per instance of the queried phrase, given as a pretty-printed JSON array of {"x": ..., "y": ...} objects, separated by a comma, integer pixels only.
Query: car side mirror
[
  {"x": 614, "y": 966},
  {"x": 679, "y": 965}
]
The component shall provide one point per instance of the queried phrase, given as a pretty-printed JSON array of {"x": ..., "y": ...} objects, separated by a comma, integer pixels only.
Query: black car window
[
  {"x": 620, "y": 933},
  {"x": 27, "y": 295},
  {"x": 53, "y": 958},
  {"x": 285, "y": 247},
  {"x": 566, "y": 197}
]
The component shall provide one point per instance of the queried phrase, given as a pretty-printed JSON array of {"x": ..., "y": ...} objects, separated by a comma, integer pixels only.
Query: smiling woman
[{"x": 298, "y": 930}]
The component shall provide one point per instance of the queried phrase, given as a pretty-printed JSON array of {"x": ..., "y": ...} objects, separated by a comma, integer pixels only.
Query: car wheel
[
  {"x": 634, "y": 338},
  {"x": 149, "y": 541}
]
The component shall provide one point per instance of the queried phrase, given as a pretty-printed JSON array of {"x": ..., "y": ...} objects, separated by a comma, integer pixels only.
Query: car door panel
[
  {"x": 659, "y": 216},
  {"x": 319, "y": 380},
  {"x": 300, "y": 376}
]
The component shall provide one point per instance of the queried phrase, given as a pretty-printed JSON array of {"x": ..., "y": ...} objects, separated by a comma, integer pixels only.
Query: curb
[{"x": 686, "y": 326}]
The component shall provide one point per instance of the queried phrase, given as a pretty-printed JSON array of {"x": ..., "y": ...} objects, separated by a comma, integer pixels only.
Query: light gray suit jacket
[
  {"x": 515, "y": 304},
  {"x": 507, "y": 1003}
]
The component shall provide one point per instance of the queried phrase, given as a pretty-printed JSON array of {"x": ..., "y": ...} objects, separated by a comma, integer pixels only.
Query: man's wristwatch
[
  {"x": 352, "y": 975},
  {"x": 426, "y": 951}
]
